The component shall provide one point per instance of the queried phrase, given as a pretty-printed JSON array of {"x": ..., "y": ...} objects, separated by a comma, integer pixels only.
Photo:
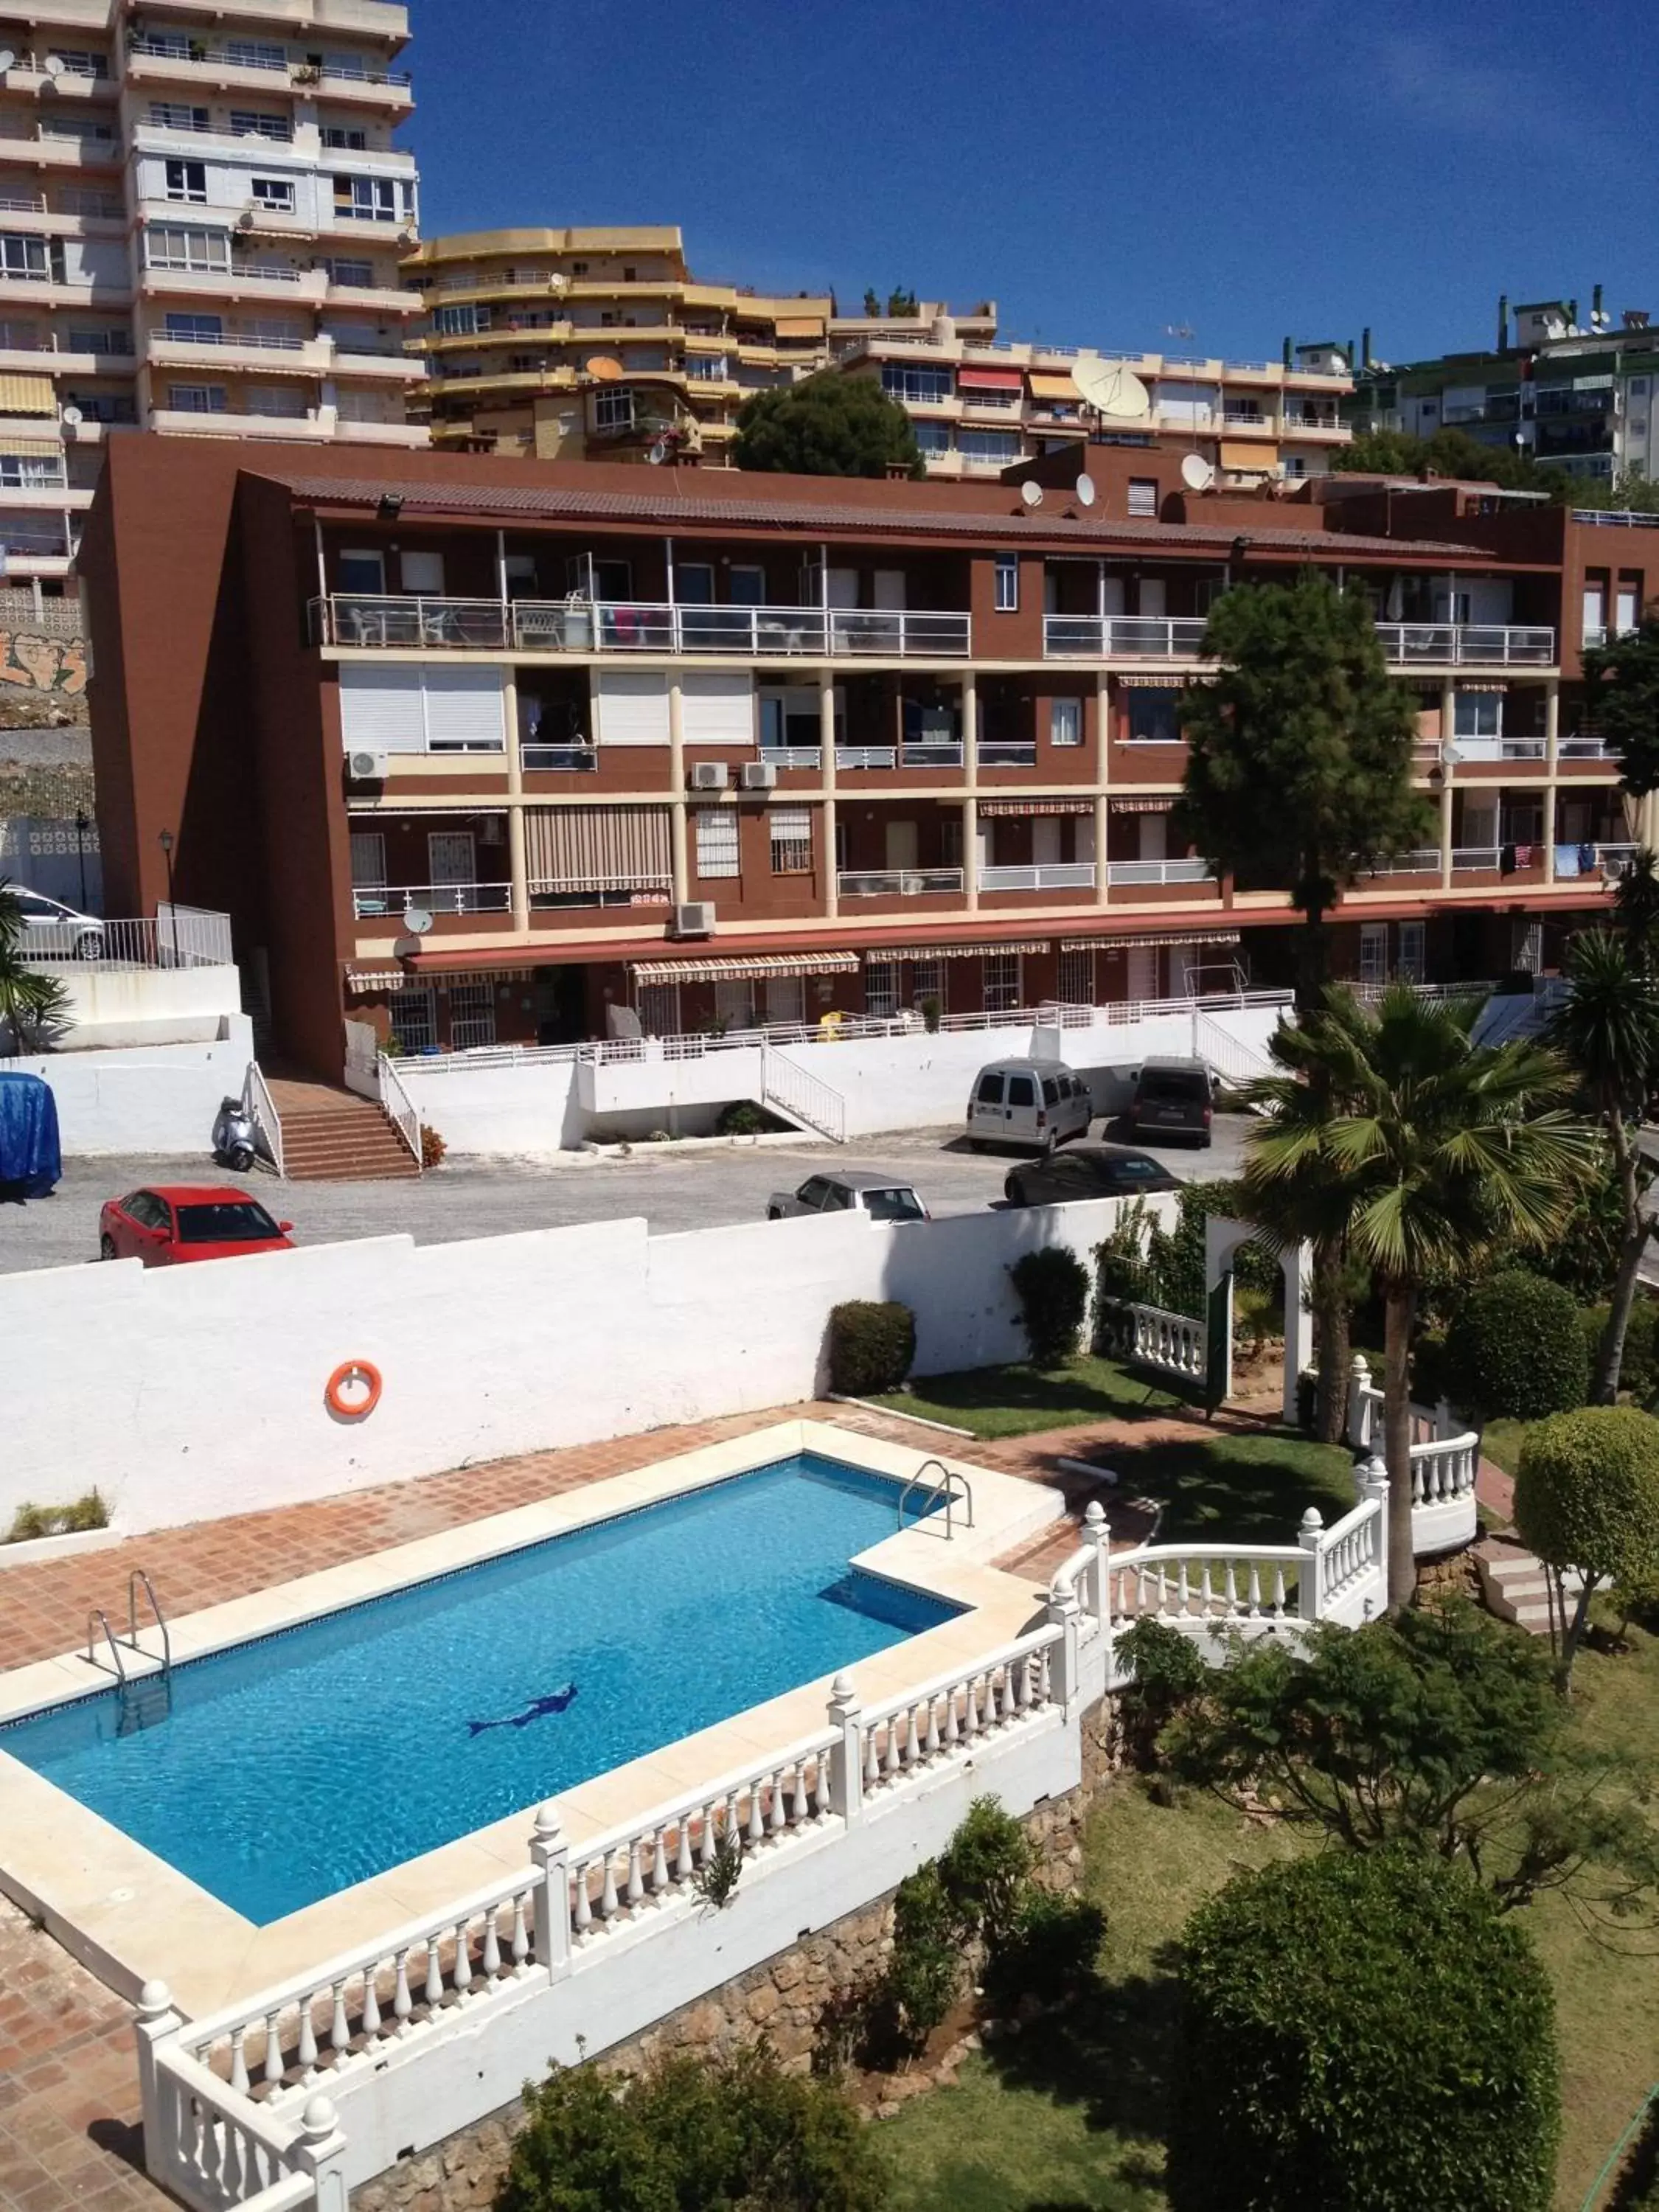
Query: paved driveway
[{"x": 493, "y": 1198}]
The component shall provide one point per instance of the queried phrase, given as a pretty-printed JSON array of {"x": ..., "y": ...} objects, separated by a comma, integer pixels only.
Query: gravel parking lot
[{"x": 495, "y": 1198}]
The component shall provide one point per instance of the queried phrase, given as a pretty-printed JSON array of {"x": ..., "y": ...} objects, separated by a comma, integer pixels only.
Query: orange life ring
[{"x": 353, "y": 1409}]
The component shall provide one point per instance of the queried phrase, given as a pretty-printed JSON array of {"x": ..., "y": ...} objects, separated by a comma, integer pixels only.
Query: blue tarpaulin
[{"x": 30, "y": 1161}]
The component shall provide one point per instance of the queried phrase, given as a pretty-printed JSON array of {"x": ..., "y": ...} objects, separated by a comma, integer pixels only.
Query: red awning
[{"x": 990, "y": 380}]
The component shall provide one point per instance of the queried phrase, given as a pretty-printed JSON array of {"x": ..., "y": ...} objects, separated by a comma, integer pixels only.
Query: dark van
[{"x": 1173, "y": 1098}]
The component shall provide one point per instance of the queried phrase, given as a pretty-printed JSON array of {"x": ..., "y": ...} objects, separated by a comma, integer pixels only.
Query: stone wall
[{"x": 783, "y": 1999}]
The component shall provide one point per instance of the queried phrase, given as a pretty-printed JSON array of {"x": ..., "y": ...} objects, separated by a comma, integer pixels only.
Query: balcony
[
  {"x": 1474, "y": 750},
  {"x": 1124, "y": 874},
  {"x": 1043, "y": 876},
  {"x": 866, "y": 756},
  {"x": 369, "y": 901},
  {"x": 928, "y": 752},
  {"x": 1123, "y": 637},
  {"x": 1007, "y": 752},
  {"x": 1467, "y": 645},
  {"x": 559, "y": 759},
  {"x": 897, "y": 883},
  {"x": 387, "y": 622}
]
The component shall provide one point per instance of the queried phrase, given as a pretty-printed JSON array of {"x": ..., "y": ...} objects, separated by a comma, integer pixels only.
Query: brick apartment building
[{"x": 480, "y": 749}]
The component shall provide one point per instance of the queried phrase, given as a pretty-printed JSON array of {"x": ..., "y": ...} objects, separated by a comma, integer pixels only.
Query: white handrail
[
  {"x": 400, "y": 1109},
  {"x": 261, "y": 1108},
  {"x": 802, "y": 1096}
]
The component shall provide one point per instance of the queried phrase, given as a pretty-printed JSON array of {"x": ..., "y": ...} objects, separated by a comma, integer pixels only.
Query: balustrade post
[
  {"x": 1096, "y": 1532},
  {"x": 321, "y": 2152},
  {"x": 1311, "y": 1538},
  {"x": 158, "y": 2021},
  {"x": 846, "y": 1752},
  {"x": 1359, "y": 1408},
  {"x": 550, "y": 1853},
  {"x": 1373, "y": 1475},
  {"x": 1061, "y": 1612}
]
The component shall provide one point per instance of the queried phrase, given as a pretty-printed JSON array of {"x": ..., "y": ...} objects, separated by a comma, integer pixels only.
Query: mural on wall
[{"x": 29, "y": 662}]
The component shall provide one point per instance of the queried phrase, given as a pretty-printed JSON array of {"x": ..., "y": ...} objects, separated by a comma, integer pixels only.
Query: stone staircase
[
  {"x": 333, "y": 1136},
  {"x": 1518, "y": 1587}
]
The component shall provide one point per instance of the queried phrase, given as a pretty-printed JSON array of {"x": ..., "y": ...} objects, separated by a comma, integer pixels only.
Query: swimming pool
[{"x": 293, "y": 1767}]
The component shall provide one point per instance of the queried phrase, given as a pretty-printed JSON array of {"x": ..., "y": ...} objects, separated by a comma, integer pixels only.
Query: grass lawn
[
  {"x": 1069, "y": 2117},
  {"x": 1501, "y": 1443},
  {"x": 1214, "y": 1483}
]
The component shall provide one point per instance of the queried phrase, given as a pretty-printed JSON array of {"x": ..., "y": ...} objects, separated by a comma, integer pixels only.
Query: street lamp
[
  {"x": 165, "y": 840},
  {"x": 82, "y": 825}
]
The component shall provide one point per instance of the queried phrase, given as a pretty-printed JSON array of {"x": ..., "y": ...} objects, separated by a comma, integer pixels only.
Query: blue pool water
[{"x": 291, "y": 1767}]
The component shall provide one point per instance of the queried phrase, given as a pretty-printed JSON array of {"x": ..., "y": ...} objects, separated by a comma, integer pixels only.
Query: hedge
[
  {"x": 1361, "y": 2032},
  {"x": 1052, "y": 1289},
  {"x": 872, "y": 1347},
  {"x": 1515, "y": 1349},
  {"x": 1586, "y": 1492}
]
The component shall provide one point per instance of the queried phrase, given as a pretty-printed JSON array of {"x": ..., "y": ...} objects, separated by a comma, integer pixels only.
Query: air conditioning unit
[
  {"x": 369, "y": 768},
  {"x": 697, "y": 920},
  {"x": 759, "y": 775},
  {"x": 709, "y": 776}
]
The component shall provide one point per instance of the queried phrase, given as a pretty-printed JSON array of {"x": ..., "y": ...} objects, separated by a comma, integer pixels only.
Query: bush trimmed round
[
  {"x": 872, "y": 1347},
  {"x": 1517, "y": 1350},
  {"x": 1586, "y": 1492},
  {"x": 1360, "y": 2031}
]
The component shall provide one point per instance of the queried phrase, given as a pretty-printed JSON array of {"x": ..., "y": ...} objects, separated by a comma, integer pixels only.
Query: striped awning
[
  {"x": 1045, "y": 386},
  {"x": 28, "y": 395},
  {"x": 798, "y": 326},
  {"x": 1018, "y": 807},
  {"x": 1238, "y": 453},
  {"x": 1144, "y": 940},
  {"x": 597, "y": 847},
  {"x": 736, "y": 970},
  {"x": 885, "y": 953},
  {"x": 1173, "y": 682},
  {"x": 1163, "y": 805},
  {"x": 45, "y": 449},
  {"x": 363, "y": 980}
]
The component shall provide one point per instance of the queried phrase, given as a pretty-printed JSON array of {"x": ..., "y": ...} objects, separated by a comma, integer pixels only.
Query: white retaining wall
[
  {"x": 115, "y": 1006},
  {"x": 184, "y": 1394},
  {"x": 145, "y": 1098}
]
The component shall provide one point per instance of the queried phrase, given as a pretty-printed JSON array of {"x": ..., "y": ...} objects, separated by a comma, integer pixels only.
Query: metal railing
[
  {"x": 802, "y": 757},
  {"x": 1466, "y": 857},
  {"x": 1421, "y": 860},
  {"x": 1040, "y": 876},
  {"x": 389, "y": 620},
  {"x": 800, "y": 1095},
  {"x": 1125, "y": 872},
  {"x": 573, "y": 757},
  {"x": 867, "y": 755},
  {"x": 1007, "y": 752},
  {"x": 933, "y": 752},
  {"x": 1180, "y": 637},
  {"x": 897, "y": 883},
  {"x": 178, "y": 937},
  {"x": 1469, "y": 644},
  {"x": 1128, "y": 637},
  {"x": 400, "y": 1109},
  {"x": 371, "y": 899}
]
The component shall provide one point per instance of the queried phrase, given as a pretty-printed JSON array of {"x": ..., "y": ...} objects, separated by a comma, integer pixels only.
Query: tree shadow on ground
[
  {"x": 1637, "y": 2185},
  {"x": 1108, "y": 2052},
  {"x": 1094, "y": 1390},
  {"x": 1244, "y": 1489}
]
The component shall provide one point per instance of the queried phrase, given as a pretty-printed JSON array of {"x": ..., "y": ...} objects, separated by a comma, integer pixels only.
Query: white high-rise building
[{"x": 202, "y": 215}]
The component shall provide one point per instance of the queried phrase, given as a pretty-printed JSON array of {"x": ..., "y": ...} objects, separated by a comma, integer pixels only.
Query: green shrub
[
  {"x": 743, "y": 1118},
  {"x": 1586, "y": 1492},
  {"x": 1052, "y": 1289},
  {"x": 983, "y": 1870},
  {"x": 924, "y": 1973},
  {"x": 693, "y": 2134},
  {"x": 1638, "y": 1370},
  {"x": 1049, "y": 1952},
  {"x": 1362, "y": 2033},
  {"x": 30, "y": 1522},
  {"x": 1516, "y": 1350},
  {"x": 872, "y": 1347},
  {"x": 1167, "y": 1672}
]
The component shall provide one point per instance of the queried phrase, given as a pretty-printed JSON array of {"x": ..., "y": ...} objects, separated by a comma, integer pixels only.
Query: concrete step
[
  {"x": 352, "y": 1141},
  {"x": 1519, "y": 1588}
]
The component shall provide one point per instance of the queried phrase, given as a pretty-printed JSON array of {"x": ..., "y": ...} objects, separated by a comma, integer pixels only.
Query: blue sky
[{"x": 1244, "y": 167}]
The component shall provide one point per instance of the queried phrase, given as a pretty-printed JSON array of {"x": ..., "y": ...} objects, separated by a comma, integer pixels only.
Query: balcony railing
[
  {"x": 1127, "y": 637},
  {"x": 867, "y": 755},
  {"x": 929, "y": 752},
  {"x": 615, "y": 626},
  {"x": 1493, "y": 749},
  {"x": 368, "y": 900},
  {"x": 1043, "y": 876},
  {"x": 1467, "y": 857},
  {"x": 1127, "y": 872},
  {"x": 896, "y": 882},
  {"x": 809, "y": 756},
  {"x": 1180, "y": 637},
  {"x": 573, "y": 757},
  {"x": 1421, "y": 860},
  {"x": 1007, "y": 752},
  {"x": 1587, "y": 749},
  {"x": 1469, "y": 644}
]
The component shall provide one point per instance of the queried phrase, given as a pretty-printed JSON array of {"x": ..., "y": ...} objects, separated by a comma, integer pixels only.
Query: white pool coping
[{"x": 132, "y": 1918}]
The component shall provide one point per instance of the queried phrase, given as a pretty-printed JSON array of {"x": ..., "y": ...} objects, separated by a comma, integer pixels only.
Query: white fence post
[
  {"x": 321, "y": 2152},
  {"x": 846, "y": 1752},
  {"x": 1095, "y": 1531},
  {"x": 1373, "y": 1476},
  {"x": 1359, "y": 1408},
  {"x": 550, "y": 1853},
  {"x": 157, "y": 2022},
  {"x": 1312, "y": 1537},
  {"x": 1061, "y": 1612}
]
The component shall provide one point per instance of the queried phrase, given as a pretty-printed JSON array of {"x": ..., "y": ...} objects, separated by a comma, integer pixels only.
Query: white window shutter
[
  {"x": 717, "y": 707},
  {"x": 464, "y": 711},
  {"x": 382, "y": 709},
  {"x": 630, "y": 707}
]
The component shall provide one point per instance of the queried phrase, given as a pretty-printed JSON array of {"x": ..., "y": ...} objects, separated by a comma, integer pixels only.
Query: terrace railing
[
  {"x": 1041, "y": 876},
  {"x": 368, "y": 900},
  {"x": 177, "y": 937},
  {"x": 384, "y": 621},
  {"x": 897, "y": 883},
  {"x": 1180, "y": 637},
  {"x": 1174, "y": 1344}
]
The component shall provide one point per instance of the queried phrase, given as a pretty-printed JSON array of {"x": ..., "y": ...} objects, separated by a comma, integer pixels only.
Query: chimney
[
  {"x": 1288, "y": 350},
  {"x": 1596, "y": 308},
  {"x": 1365, "y": 347},
  {"x": 1572, "y": 314},
  {"x": 1503, "y": 322}
]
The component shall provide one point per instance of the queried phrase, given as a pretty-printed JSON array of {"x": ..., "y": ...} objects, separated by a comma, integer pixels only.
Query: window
[
  {"x": 717, "y": 840},
  {"x": 338, "y": 140},
  {"x": 178, "y": 115},
  {"x": 171, "y": 246},
  {"x": 1154, "y": 717},
  {"x": 22, "y": 257},
  {"x": 881, "y": 986},
  {"x": 927, "y": 981},
  {"x": 367, "y": 860},
  {"x": 100, "y": 341},
  {"x": 694, "y": 583},
  {"x": 1373, "y": 951},
  {"x": 255, "y": 53},
  {"x": 284, "y": 401},
  {"x": 1066, "y": 721},
  {"x": 360, "y": 273},
  {"x": 1627, "y": 604},
  {"x": 915, "y": 387},
  {"x": 387, "y": 708},
  {"x": 792, "y": 841},
  {"x": 997, "y": 447},
  {"x": 932, "y": 437},
  {"x": 746, "y": 586},
  {"x": 1143, "y": 495},
  {"x": 1022, "y": 1089},
  {"x": 1477, "y": 714},
  {"x": 366, "y": 199},
  {"x": 1007, "y": 584},
  {"x": 30, "y": 472},
  {"x": 613, "y": 410},
  {"x": 197, "y": 398},
  {"x": 1002, "y": 992},
  {"x": 460, "y": 322},
  {"x": 199, "y": 330},
  {"x": 412, "y": 1020},
  {"x": 1412, "y": 967},
  {"x": 989, "y": 1092},
  {"x": 73, "y": 61},
  {"x": 705, "y": 368},
  {"x": 1077, "y": 976},
  {"x": 471, "y": 1016},
  {"x": 276, "y": 193},
  {"x": 362, "y": 569},
  {"x": 248, "y": 123},
  {"x": 187, "y": 181}
]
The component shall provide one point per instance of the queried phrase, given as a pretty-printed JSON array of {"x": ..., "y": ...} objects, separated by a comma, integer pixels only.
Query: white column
[
  {"x": 676, "y": 826},
  {"x": 971, "y": 853},
  {"x": 845, "y": 1754},
  {"x": 970, "y": 729},
  {"x": 158, "y": 2021},
  {"x": 517, "y": 868},
  {"x": 1102, "y": 779},
  {"x": 1061, "y": 1612},
  {"x": 1311, "y": 1538},
  {"x": 1448, "y": 718},
  {"x": 551, "y": 1853},
  {"x": 1551, "y": 757},
  {"x": 321, "y": 2152},
  {"x": 827, "y": 755}
]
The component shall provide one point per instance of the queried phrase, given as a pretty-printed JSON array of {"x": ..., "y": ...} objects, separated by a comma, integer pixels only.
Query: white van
[{"x": 1033, "y": 1102}]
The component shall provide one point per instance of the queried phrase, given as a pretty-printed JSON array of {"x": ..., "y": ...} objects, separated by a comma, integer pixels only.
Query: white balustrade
[
  {"x": 946, "y": 1716},
  {"x": 1444, "y": 1470},
  {"x": 1173, "y": 1343},
  {"x": 1209, "y": 1584}
]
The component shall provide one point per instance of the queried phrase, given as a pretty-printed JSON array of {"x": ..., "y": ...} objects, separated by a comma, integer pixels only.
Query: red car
[{"x": 165, "y": 1227}]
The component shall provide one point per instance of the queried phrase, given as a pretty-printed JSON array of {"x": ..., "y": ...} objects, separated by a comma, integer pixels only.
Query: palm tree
[
  {"x": 1608, "y": 1029},
  {"x": 1443, "y": 1150},
  {"x": 1635, "y": 906},
  {"x": 29, "y": 1002}
]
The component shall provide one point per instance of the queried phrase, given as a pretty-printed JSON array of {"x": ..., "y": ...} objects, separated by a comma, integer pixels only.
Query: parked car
[
  {"x": 52, "y": 931},
  {"x": 878, "y": 1196},
  {"x": 1087, "y": 1172},
  {"x": 1172, "y": 1098},
  {"x": 1028, "y": 1101},
  {"x": 167, "y": 1226}
]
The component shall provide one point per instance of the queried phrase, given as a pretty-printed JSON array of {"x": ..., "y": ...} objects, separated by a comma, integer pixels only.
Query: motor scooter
[{"x": 234, "y": 1143}]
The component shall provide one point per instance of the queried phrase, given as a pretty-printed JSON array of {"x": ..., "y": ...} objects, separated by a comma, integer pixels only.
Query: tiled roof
[{"x": 668, "y": 511}]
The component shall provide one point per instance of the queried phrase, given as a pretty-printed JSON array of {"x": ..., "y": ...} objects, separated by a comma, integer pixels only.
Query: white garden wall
[
  {"x": 188, "y": 1393},
  {"x": 146, "y": 1098}
]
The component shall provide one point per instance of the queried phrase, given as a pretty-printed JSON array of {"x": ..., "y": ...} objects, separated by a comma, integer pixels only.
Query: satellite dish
[
  {"x": 604, "y": 369},
  {"x": 659, "y": 453},
  {"x": 558, "y": 282},
  {"x": 1196, "y": 473},
  {"x": 1086, "y": 491},
  {"x": 416, "y": 921},
  {"x": 7, "y": 58},
  {"x": 1111, "y": 389},
  {"x": 54, "y": 65},
  {"x": 1031, "y": 493},
  {"x": 1450, "y": 753},
  {"x": 73, "y": 417}
]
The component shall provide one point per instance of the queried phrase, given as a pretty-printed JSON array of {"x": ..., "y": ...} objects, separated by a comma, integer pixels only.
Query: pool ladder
[
  {"x": 146, "y": 1698},
  {"x": 943, "y": 1488}
]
